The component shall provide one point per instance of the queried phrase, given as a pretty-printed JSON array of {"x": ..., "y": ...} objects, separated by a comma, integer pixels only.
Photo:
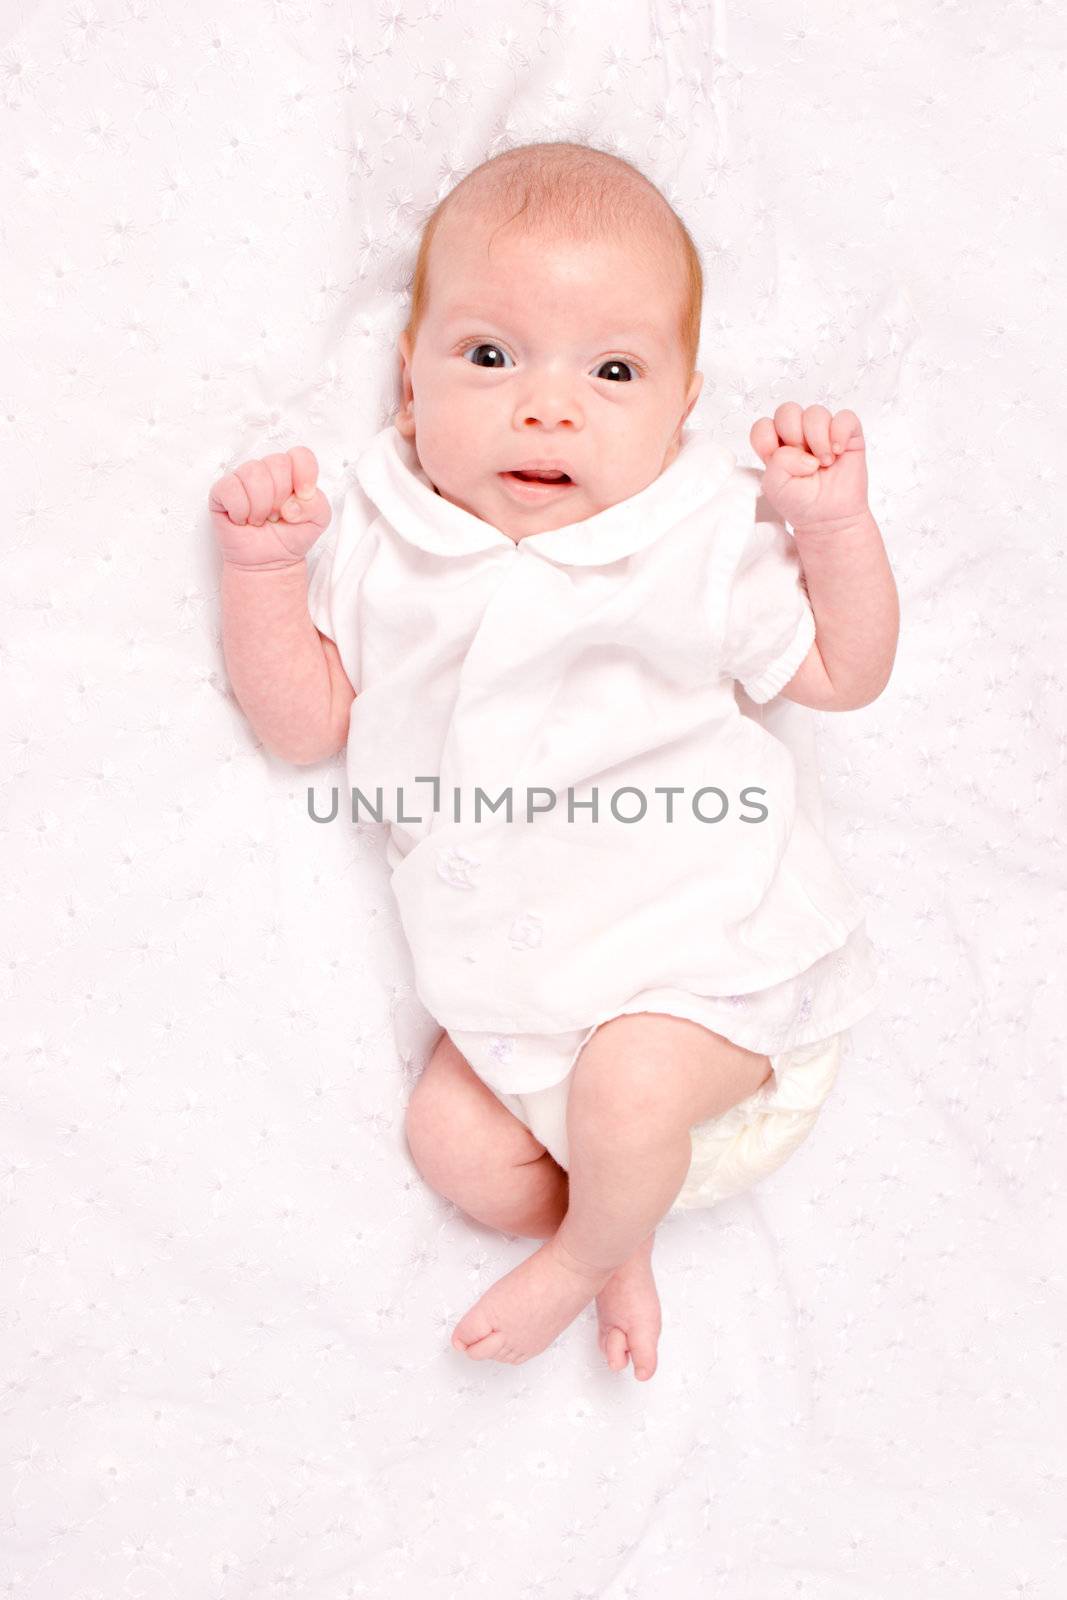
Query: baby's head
[{"x": 555, "y": 317}]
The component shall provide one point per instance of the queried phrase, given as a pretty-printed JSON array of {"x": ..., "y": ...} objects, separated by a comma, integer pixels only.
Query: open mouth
[
  {"x": 537, "y": 485},
  {"x": 540, "y": 477}
]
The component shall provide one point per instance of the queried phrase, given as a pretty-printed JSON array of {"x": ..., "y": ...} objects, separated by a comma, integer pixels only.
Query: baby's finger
[
  {"x": 789, "y": 420},
  {"x": 259, "y": 486},
  {"x": 846, "y": 430},
  {"x": 763, "y": 437},
  {"x": 817, "y": 433},
  {"x": 304, "y": 471},
  {"x": 798, "y": 463},
  {"x": 317, "y": 509},
  {"x": 281, "y": 484},
  {"x": 229, "y": 497}
]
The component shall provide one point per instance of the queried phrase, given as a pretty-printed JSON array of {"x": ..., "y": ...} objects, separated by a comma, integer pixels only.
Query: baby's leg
[
  {"x": 471, "y": 1149},
  {"x": 640, "y": 1084}
]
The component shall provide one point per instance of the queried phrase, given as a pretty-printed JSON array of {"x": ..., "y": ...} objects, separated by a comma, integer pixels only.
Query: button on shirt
[{"x": 601, "y": 656}]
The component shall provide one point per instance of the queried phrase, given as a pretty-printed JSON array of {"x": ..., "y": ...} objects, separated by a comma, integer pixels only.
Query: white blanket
[{"x": 228, "y": 1293}]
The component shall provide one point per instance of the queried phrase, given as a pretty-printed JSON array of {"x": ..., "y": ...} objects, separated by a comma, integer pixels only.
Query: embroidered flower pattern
[
  {"x": 457, "y": 867},
  {"x": 501, "y": 1049},
  {"x": 526, "y": 931}
]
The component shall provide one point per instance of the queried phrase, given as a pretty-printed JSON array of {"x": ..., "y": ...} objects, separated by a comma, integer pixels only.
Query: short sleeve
[
  {"x": 770, "y": 626},
  {"x": 322, "y": 558},
  {"x": 336, "y": 564}
]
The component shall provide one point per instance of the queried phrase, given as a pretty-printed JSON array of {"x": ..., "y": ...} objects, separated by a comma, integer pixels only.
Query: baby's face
[{"x": 563, "y": 352}]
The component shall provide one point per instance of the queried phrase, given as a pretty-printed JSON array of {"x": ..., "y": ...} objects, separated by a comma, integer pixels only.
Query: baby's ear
[{"x": 404, "y": 423}]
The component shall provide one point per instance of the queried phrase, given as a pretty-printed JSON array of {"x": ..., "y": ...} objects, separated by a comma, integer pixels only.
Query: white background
[{"x": 227, "y": 1292}]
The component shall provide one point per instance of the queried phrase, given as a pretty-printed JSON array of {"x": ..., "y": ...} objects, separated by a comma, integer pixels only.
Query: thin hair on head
[{"x": 562, "y": 188}]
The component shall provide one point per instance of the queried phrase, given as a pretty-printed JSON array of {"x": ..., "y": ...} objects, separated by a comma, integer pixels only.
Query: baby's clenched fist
[{"x": 269, "y": 513}]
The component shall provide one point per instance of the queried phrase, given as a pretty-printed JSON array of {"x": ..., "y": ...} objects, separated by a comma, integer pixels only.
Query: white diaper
[{"x": 731, "y": 1152}]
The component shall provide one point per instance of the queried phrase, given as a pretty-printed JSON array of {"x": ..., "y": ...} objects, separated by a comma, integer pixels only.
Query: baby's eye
[
  {"x": 625, "y": 365},
  {"x": 491, "y": 364}
]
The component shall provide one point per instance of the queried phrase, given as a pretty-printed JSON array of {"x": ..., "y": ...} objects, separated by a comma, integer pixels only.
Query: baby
[{"x": 614, "y": 993}]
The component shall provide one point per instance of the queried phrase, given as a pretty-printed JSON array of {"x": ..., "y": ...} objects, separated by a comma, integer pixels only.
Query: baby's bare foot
[
  {"x": 521, "y": 1314},
  {"x": 628, "y": 1312}
]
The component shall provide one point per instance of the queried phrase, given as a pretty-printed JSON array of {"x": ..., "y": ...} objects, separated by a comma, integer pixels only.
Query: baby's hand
[
  {"x": 823, "y": 483},
  {"x": 269, "y": 513}
]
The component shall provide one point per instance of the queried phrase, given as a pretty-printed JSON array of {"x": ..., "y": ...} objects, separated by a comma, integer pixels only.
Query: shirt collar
[{"x": 392, "y": 477}]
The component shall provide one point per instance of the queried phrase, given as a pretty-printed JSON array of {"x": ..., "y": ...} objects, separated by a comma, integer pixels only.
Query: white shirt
[{"x": 599, "y": 655}]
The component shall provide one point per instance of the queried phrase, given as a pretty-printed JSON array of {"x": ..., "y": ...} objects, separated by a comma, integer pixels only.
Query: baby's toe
[
  {"x": 643, "y": 1351},
  {"x": 487, "y": 1348},
  {"x": 475, "y": 1324},
  {"x": 615, "y": 1347}
]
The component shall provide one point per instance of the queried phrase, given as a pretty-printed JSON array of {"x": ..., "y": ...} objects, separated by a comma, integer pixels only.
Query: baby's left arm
[{"x": 815, "y": 478}]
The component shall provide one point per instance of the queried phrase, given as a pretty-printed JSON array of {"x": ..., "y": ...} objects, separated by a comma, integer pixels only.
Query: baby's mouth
[
  {"x": 530, "y": 488},
  {"x": 539, "y": 477}
]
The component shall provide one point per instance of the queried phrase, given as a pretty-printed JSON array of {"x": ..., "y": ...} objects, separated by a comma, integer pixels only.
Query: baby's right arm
[{"x": 286, "y": 675}]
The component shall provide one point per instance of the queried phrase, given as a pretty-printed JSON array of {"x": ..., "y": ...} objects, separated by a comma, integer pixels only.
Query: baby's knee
[
  {"x": 440, "y": 1131},
  {"x": 456, "y": 1127},
  {"x": 426, "y": 1116}
]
